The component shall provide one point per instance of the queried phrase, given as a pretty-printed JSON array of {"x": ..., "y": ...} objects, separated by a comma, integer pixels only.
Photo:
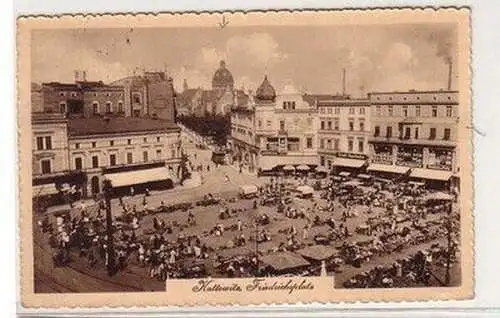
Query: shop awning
[
  {"x": 344, "y": 174},
  {"x": 388, "y": 168},
  {"x": 129, "y": 178},
  {"x": 270, "y": 162},
  {"x": 284, "y": 260},
  {"x": 430, "y": 174},
  {"x": 289, "y": 168},
  {"x": 44, "y": 189},
  {"x": 249, "y": 189},
  {"x": 318, "y": 252},
  {"x": 347, "y": 162}
]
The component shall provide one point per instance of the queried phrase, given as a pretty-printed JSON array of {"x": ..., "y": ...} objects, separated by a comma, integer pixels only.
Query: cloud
[{"x": 248, "y": 57}]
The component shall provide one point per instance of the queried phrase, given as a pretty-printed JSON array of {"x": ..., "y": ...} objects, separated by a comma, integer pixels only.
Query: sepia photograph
[{"x": 228, "y": 151}]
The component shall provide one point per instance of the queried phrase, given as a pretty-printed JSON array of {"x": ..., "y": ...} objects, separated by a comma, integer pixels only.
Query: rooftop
[{"x": 116, "y": 125}]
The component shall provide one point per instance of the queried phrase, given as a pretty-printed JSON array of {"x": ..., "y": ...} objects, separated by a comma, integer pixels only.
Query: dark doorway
[{"x": 95, "y": 184}]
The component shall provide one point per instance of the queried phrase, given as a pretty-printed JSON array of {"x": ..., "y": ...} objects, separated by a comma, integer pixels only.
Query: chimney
[
  {"x": 343, "y": 82},
  {"x": 84, "y": 74},
  {"x": 77, "y": 75},
  {"x": 449, "y": 73}
]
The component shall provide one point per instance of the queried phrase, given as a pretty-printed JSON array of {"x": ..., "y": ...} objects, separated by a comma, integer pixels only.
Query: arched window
[
  {"x": 120, "y": 107},
  {"x": 109, "y": 108},
  {"x": 62, "y": 107},
  {"x": 95, "y": 108}
]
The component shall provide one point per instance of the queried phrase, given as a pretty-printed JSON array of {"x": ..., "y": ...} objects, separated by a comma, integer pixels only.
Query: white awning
[
  {"x": 430, "y": 174},
  {"x": 44, "y": 189},
  {"x": 269, "y": 162},
  {"x": 388, "y": 168},
  {"x": 129, "y": 178},
  {"x": 347, "y": 162},
  {"x": 249, "y": 189},
  {"x": 305, "y": 189}
]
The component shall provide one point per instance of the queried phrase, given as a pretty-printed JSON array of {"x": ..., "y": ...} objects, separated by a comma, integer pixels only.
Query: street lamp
[{"x": 109, "y": 227}]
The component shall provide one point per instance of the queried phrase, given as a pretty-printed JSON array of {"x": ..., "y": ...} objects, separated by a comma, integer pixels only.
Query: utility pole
[
  {"x": 109, "y": 228},
  {"x": 448, "y": 254},
  {"x": 257, "y": 243}
]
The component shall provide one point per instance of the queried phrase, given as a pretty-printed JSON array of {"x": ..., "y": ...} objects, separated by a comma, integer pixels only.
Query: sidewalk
[{"x": 244, "y": 170}]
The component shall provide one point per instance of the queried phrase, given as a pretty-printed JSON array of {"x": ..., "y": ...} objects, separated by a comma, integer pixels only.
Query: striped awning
[
  {"x": 430, "y": 174},
  {"x": 269, "y": 162},
  {"x": 347, "y": 162},
  {"x": 388, "y": 168},
  {"x": 44, "y": 189},
  {"x": 122, "y": 179}
]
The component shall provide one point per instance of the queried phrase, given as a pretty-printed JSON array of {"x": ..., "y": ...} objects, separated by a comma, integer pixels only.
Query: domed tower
[
  {"x": 265, "y": 93},
  {"x": 222, "y": 80}
]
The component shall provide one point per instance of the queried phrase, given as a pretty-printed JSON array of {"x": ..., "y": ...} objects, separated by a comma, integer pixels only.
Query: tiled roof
[{"x": 114, "y": 125}]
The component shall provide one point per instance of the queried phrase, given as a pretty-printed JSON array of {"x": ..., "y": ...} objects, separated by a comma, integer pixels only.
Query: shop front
[
  {"x": 348, "y": 163},
  {"x": 159, "y": 178},
  {"x": 432, "y": 178}
]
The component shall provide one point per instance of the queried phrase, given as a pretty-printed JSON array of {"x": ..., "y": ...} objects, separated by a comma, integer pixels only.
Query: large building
[
  {"x": 343, "y": 133},
  {"x": 148, "y": 95},
  {"x": 274, "y": 131},
  {"x": 82, "y": 152},
  {"x": 151, "y": 94},
  {"x": 415, "y": 134},
  {"x": 79, "y": 98},
  {"x": 218, "y": 100}
]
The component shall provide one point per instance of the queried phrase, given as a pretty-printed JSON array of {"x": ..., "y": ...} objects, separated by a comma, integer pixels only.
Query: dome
[
  {"x": 265, "y": 92},
  {"x": 222, "y": 77}
]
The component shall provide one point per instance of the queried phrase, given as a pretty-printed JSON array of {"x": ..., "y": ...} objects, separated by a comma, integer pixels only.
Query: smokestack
[
  {"x": 449, "y": 73},
  {"x": 343, "y": 82}
]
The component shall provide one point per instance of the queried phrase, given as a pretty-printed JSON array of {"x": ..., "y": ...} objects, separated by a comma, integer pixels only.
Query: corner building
[
  {"x": 414, "y": 134},
  {"x": 274, "y": 131}
]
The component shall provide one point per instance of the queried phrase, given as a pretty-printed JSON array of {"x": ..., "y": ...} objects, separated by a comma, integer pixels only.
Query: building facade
[
  {"x": 344, "y": 127},
  {"x": 415, "y": 130},
  {"x": 274, "y": 131},
  {"x": 79, "y": 98},
  {"x": 99, "y": 147},
  {"x": 82, "y": 152}
]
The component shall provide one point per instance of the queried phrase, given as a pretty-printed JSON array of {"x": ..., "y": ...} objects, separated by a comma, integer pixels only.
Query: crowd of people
[{"x": 373, "y": 221}]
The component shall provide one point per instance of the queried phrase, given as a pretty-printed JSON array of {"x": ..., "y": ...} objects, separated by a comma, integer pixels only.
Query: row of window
[
  {"x": 282, "y": 123},
  {"x": 327, "y": 125},
  {"x": 292, "y": 143},
  {"x": 46, "y": 164},
  {"x": 74, "y": 94},
  {"x": 336, "y": 110},
  {"x": 333, "y": 144},
  {"x": 413, "y": 111},
  {"x": 108, "y": 107},
  {"x": 129, "y": 159},
  {"x": 409, "y": 133},
  {"x": 112, "y": 142}
]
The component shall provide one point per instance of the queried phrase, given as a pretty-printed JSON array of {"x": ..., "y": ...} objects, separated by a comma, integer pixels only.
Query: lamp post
[{"x": 109, "y": 228}]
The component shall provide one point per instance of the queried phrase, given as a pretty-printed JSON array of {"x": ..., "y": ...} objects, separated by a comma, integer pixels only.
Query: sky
[{"x": 309, "y": 58}]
